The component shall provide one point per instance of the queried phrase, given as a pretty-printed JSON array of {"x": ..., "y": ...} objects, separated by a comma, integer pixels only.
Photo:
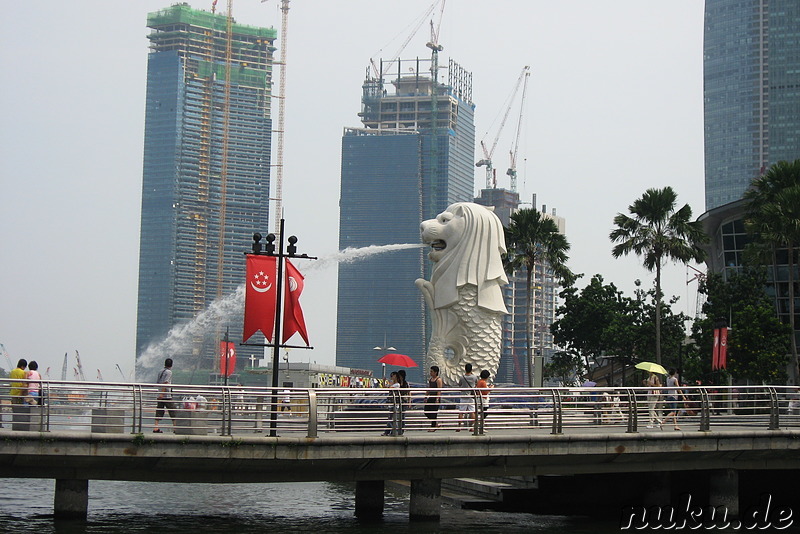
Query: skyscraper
[
  {"x": 412, "y": 157},
  {"x": 752, "y": 92},
  {"x": 206, "y": 169},
  {"x": 752, "y": 120}
]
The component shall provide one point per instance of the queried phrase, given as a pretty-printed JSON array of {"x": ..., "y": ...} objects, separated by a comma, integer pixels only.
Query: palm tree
[
  {"x": 531, "y": 238},
  {"x": 774, "y": 217},
  {"x": 657, "y": 233}
]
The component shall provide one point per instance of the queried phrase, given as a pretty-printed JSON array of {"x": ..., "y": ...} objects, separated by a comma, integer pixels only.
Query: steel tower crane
[
  {"x": 7, "y": 355},
  {"x": 512, "y": 169},
  {"x": 488, "y": 152},
  {"x": 435, "y": 47},
  {"x": 80, "y": 366}
]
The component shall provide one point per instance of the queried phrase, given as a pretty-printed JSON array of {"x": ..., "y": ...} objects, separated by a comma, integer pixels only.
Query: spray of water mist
[{"x": 226, "y": 308}]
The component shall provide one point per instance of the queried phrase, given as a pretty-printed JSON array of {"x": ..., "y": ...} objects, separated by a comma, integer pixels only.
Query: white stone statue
[{"x": 465, "y": 292}]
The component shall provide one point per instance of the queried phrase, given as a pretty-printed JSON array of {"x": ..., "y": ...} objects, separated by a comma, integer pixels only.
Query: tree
[
  {"x": 658, "y": 233},
  {"x": 773, "y": 218},
  {"x": 565, "y": 365},
  {"x": 600, "y": 320},
  {"x": 758, "y": 341},
  {"x": 531, "y": 238}
]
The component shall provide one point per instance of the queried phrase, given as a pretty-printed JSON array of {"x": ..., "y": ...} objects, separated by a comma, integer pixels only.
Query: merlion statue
[{"x": 465, "y": 292}]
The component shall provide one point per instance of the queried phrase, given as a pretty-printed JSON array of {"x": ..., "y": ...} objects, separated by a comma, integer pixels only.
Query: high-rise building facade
[
  {"x": 752, "y": 121},
  {"x": 751, "y": 64},
  {"x": 513, "y": 368},
  {"x": 206, "y": 173},
  {"x": 412, "y": 157}
]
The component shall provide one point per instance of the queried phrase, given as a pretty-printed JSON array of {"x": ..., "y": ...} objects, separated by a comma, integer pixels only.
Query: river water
[{"x": 26, "y": 505}]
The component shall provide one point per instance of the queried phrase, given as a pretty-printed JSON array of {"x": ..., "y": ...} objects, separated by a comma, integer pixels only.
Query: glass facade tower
[
  {"x": 411, "y": 159},
  {"x": 751, "y": 92},
  {"x": 206, "y": 170}
]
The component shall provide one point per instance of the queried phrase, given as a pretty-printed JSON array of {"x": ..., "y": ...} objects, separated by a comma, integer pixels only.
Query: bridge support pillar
[
  {"x": 369, "y": 499},
  {"x": 426, "y": 499},
  {"x": 71, "y": 498},
  {"x": 723, "y": 490},
  {"x": 657, "y": 490}
]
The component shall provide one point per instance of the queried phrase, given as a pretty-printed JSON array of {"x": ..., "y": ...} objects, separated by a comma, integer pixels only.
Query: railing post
[
  {"x": 477, "y": 429},
  {"x": 138, "y": 409},
  {"x": 557, "y": 421},
  {"x": 633, "y": 411},
  {"x": 44, "y": 397},
  {"x": 705, "y": 411},
  {"x": 774, "y": 410},
  {"x": 312, "y": 413}
]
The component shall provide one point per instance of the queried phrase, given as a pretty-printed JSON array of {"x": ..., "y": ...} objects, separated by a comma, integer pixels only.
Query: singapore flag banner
[
  {"x": 260, "y": 296},
  {"x": 293, "y": 320}
]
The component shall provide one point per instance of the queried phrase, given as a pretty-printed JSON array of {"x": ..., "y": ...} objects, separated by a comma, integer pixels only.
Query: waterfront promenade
[{"x": 104, "y": 432}]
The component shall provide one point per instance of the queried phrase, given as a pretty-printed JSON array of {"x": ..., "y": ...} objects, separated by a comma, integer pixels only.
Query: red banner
[
  {"x": 293, "y": 320},
  {"x": 260, "y": 296},
  {"x": 722, "y": 363},
  {"x": 715, "y": 351},
  {"x": 227, "y": 358}
]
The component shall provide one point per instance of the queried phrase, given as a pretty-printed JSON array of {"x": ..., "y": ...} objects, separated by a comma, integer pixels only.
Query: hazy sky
[{"x": 614, "y": 107}]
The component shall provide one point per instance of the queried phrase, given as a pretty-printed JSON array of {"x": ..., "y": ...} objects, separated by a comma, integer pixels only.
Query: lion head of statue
[{"x": 467, "y": 244}]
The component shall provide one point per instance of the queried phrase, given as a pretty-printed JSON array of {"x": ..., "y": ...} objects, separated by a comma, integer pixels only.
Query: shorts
[
  {"x": 466, "y": 405},
  {"x": 672, "y": 404}
]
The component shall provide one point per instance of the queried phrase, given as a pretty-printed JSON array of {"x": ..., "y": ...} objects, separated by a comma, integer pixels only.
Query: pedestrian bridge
[{"x": 88, "y": 431}]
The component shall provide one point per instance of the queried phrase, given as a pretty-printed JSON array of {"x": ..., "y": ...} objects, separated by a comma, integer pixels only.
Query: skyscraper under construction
[
  {"x": 206, "y": 173},
  {"x": 412, "y": 157}
]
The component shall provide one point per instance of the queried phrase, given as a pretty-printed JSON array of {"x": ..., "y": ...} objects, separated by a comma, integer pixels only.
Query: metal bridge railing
[{"x": 109, "y": 407}]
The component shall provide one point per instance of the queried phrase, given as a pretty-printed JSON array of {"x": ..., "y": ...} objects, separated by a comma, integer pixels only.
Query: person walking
[
  {"x": 673, "y": 393},
  {"x": 654, "y": 399},
  {"x": 466, "y": 408},
  {"x": 165, "y": 401},
  {"x": 433, "y": 397},
  {"x": 18, "y": 389}
]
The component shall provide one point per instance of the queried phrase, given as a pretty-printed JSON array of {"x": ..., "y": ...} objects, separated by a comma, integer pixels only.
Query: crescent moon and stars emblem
[
  {"x": 260, "y": 285},
  {"x": 292, "y": 284}
]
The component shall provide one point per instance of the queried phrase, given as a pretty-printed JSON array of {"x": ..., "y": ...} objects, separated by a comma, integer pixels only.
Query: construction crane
[
  {"x": 281, "y": 117},
  {"x": 417, "y": 24},
  {"x": 124, "y": 378},
  {"x": 80, "y": 367},
  {"x": 491, "y": 182},
  {"x": 435, "y": 47},
  {"x": 64, "y": 368},
  {"x": 7, "y": 356},
  {"x": 223, "y": 175},
  {"x": 99, "y": 375},
  {"x": 512, "y": 169}
]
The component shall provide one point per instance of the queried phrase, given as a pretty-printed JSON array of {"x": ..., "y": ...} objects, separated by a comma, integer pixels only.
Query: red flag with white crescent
[
  {"x": 715, "y": 351},
  {"x": 723, "y": 348},
  {"x": 293, "y": 320},
  {"x": 227, "y": 358},
  {"x": 260, "y": 296}
]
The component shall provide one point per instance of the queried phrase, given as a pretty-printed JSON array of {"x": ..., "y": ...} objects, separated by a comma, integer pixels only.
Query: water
[
  {"x": 318, "y": 507},
  {"x": 225, "y": 308}
]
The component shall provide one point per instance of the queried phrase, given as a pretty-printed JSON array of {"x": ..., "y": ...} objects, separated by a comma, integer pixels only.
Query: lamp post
[
  {"x": 385, "y": 350},
  {"x": 291, "y": 252}
]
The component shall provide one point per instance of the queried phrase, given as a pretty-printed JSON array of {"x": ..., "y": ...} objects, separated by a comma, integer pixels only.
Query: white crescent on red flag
[
  {"x": 293, "y": 320},
  {"x": 715, "y": 351},
  {"x": 227, "y": 358},
  {"x": 260, "y": 295},
  {"x": 723, "y": 348}
]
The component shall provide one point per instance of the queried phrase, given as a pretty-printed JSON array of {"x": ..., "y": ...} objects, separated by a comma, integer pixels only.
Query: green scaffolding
[{"x": 183, "y": 13}]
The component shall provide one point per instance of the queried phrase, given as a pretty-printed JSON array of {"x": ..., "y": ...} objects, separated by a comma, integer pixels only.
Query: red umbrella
[{"x": 400, "y": 360}]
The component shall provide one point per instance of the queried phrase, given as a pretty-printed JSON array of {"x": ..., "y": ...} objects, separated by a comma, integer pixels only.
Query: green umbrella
[{"x": 651, "y": 367}]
